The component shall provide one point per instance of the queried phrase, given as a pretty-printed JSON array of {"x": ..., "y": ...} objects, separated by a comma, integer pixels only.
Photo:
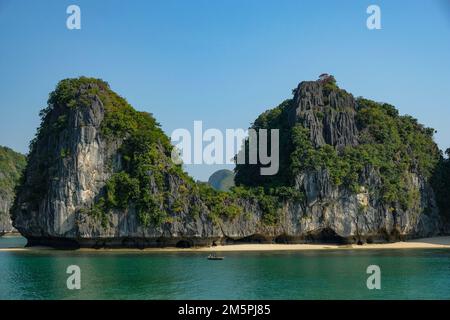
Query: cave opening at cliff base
[{"x": 184, "y": 244}]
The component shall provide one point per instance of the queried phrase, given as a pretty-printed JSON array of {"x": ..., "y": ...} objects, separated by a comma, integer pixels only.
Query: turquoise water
[
  {"x": 12, "y": 242},
  {"x": 334, "y": 274}
]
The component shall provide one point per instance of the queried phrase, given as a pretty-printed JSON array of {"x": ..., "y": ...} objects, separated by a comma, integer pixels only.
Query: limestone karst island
[
  {"x": 99, "y": 174},
  {"x": 224, "y": 159}
]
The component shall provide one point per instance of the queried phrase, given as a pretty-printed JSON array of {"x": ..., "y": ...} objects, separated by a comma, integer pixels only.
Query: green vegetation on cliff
[
  {"x": 11, "y": 167},
  {"x": 393, "y": 145}
]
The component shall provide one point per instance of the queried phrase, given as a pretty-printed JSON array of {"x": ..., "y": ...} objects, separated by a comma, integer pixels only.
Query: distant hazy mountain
[{"x": 222, "y": 180}]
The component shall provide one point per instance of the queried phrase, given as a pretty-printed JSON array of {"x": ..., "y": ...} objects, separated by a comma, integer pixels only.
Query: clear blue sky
[{"x": 223, "y": 62}]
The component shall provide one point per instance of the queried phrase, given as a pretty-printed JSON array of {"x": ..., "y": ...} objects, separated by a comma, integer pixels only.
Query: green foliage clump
[
  {"x": 64, "y": 153},
  {"x": 396, "y": 146},
  {"x": 269, "y": 200},
  {"x": 329, "y": 85},
  {"x": 11, "y": 166},
  {"x": 220, "y": 204},
  {"x": 76, "y": 92},
  {"x": 120, "y": 190}
]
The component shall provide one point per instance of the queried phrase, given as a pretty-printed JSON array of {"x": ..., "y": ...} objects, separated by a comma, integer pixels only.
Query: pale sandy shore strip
[{"x": 426, "y": 243}]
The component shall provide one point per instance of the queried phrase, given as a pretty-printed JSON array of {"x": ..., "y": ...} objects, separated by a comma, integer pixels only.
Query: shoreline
[
  {"x": 424, "y": 243},
  {"x": 10, "y": 234}
]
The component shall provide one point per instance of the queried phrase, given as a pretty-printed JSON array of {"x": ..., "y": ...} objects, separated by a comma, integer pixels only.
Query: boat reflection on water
[{"x": 214, "y": 256}]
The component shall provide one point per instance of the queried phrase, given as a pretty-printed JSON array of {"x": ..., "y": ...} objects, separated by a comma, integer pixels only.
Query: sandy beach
[{"x": 425, "y": 243}]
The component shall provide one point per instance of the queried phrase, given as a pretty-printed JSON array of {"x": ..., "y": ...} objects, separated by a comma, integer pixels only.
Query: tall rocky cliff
[
  {"x": 11, "y": 166},
  {"x": 330, "y": 115},
  {"x": 364, "y": 171},
  {"x": 100, "y": 174}
]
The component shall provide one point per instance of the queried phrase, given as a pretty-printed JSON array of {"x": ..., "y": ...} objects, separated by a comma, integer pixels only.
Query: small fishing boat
[{"x": 213, "y": 256}]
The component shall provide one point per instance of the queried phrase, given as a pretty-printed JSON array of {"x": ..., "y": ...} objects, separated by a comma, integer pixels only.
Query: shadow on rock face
[
  {"x": 184, "y": 244},
  {"x": 326, "y": 235}
]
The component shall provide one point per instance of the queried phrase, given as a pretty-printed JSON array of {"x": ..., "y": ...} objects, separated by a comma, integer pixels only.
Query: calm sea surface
[{"x": 334, "y": 274}]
